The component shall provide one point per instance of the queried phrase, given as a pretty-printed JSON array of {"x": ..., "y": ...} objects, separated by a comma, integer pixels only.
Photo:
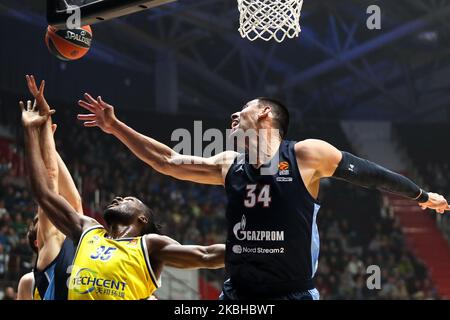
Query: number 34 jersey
[
  {"x": 273, "y": 241},
  {"x": 111, "y": 269}
]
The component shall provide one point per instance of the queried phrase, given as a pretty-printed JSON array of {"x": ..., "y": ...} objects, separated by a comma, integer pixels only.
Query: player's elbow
[
  {"x": 171, "y": 166},
  {"x": 78, "y": 203},
  {"x": 208, "y": 261},
  {"x": 160, "y": 162},
  {"x": 213, "y": 259}
]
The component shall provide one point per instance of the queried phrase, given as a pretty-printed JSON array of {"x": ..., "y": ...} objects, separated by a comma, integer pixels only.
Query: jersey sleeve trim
[{"x": 156, "y": 282}]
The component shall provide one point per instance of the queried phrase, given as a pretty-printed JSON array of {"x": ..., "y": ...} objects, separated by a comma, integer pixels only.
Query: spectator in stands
[
  {"x": 10, "y": 294},
  {"x": 4, "y": 260}
]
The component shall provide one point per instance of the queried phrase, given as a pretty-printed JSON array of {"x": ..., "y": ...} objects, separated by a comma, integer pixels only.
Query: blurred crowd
[
  {"x": 350, "y": 246},
  {"x": 357, "y": 230},
  {"x": 433, "y": 167}
]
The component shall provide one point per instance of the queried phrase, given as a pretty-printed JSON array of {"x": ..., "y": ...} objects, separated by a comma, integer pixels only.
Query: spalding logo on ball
[{"x": 70, "y": 44}]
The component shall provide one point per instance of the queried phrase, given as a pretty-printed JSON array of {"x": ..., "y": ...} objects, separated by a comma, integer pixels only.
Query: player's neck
[
  {"x": 265, "y": 147},
  {"x": 118, "y": 231}
]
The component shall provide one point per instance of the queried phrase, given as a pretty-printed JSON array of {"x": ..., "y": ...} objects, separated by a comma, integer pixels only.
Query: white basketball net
[{"x": 269, "y": 19}]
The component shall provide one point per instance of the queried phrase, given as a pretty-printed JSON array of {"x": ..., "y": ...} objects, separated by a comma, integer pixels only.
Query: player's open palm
[
  {"x": 102, "y": 113},
  {"x": 435, "y": 202},
  {"x": 31, "y": 116}
]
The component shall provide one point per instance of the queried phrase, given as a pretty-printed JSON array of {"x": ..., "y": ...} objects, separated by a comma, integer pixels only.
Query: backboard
[{"x": 94, "y": 11}]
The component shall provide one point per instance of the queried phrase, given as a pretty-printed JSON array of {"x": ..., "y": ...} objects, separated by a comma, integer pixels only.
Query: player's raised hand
[
  {"x": 435, "y": 202},
  {"x": 38, "y": 94},
  {"x": 102, "y": 114},
  {"x": 31, "y": 117}
]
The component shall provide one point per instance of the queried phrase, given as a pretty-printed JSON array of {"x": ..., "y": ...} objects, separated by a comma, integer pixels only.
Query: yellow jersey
[{"x": 108, "y": 269}]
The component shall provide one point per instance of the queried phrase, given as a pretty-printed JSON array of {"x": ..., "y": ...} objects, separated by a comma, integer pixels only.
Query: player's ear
[
  {"x": 264, "y": 112},
  {"x": 143, "y": 219}
]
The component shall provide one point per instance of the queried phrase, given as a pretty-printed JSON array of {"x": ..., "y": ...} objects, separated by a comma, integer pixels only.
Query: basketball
[{"x": 70, "y": 44}]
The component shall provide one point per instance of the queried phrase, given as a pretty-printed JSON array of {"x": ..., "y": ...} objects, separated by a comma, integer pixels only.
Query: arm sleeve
[{"x": 371, "y": 175}]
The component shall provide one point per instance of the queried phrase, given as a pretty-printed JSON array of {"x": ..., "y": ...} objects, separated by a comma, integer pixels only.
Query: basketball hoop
[{"x": 269, "y": 19}]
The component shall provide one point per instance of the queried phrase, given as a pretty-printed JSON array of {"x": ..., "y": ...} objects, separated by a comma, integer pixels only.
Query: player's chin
[{"x": 111, "y": 213}]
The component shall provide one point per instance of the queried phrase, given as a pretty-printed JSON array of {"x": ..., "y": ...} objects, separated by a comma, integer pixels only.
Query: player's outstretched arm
[
  {"x": 171, "y": 253},
  {"x": 66, "y": 186},
  {"x": 157, "y": 155},
  {"x": 327, "y": 161},
  {"x": 55, "y": 165},
  {"x": 58, "y": 210},
  {"x": 46, "y": 231}
]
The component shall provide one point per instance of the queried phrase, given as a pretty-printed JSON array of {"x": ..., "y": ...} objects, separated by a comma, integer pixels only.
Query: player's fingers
[
  {"x": 91, "y": 100},
  {"x": 86, "y": 117},
  {"x": 29, "y": 106},
  {"x": 100, "y": 103},
  {"x": 33, "y": 83},
  {"x": 21, "y": 106},
  {"x": 42, "y": 87},
  {"x": 86, "y": 106},
  {"x": 54, "y": 127},
  {"x": 34, "y": 105},
  {"x": 51, "y": 112},
  {"x": 90, "y": 124},
  {"x": 103, "y": 103}
]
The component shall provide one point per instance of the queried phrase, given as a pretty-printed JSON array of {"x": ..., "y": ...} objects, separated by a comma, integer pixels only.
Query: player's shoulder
[
  {"x": 156, "y": 241},
  {"x": 307, "y": 146},
  {"x": 310, "y": 143},
  {"x": 25, "y": 287},
  {"x": 27, "y": 278},
  {"x": 89, "y": 223},
  {"x": 88, "y": 226}
]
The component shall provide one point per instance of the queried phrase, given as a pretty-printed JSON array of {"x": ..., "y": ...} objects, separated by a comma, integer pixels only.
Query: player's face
[
  {"x": 122, "y": 210},
  {"x": 245, "y": 119}
]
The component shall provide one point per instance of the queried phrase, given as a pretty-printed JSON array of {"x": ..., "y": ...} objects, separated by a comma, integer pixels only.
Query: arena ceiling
[{"x": 337, "y": 68}]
